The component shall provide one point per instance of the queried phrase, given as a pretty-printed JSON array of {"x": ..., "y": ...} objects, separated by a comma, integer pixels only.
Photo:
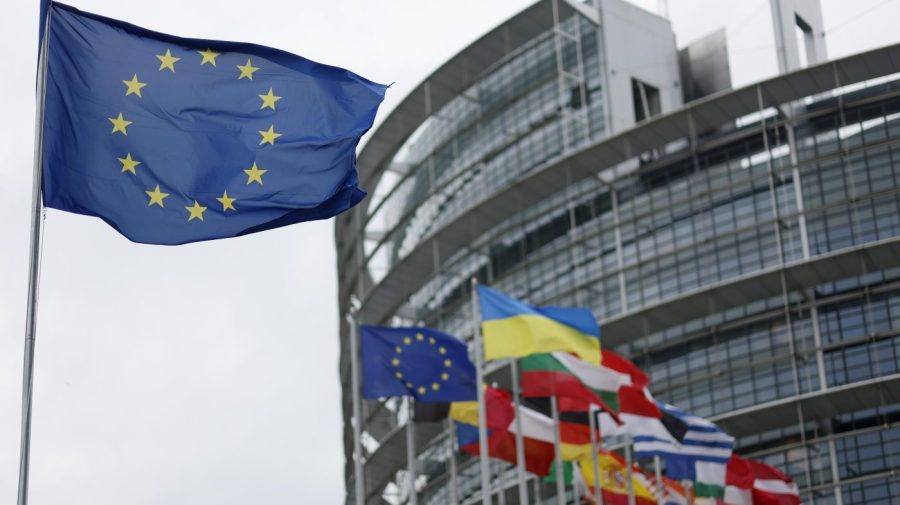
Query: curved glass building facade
[{"x": 742, "y": 248}]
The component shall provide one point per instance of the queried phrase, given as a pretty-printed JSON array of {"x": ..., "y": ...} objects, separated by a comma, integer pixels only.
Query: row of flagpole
[
  {"x": 484, "y": 459},
  {"x": 637, "y": 481}
]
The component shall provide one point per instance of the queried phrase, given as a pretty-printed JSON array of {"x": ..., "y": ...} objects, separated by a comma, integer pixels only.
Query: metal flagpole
[
  {"x": 629, "y": 474},
  {"x": 33, "y": 270},
  {"x": 560, "y": 472},
  {"x": 501, "y": 484},
  {"x": 358, "y": 469},
  {"x": 411, "y": 451},
  {"x": 520, "y": 440},
  {"x": 454, "y": 499},
  {"x": 482, "y": 411},
  {"x": 598, "y": 485},
  {"x": 660, "y": 487}
]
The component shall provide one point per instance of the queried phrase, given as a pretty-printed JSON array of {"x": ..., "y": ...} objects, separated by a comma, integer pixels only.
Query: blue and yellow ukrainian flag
[
  {"x": 512, "y": 328},
  {"x": 173, "y": 140}
]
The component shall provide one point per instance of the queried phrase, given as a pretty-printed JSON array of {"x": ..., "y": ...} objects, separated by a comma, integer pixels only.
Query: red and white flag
[{"x": 750, "y": 482}]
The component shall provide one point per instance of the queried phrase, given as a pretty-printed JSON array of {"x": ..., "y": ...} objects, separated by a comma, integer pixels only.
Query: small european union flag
[
  {"x": 173, "y": 140},
  {"x": 426, "y": 364}
]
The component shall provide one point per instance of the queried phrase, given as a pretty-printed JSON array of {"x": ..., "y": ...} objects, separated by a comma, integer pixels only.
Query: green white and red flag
[{"x": 565, "y": 376}]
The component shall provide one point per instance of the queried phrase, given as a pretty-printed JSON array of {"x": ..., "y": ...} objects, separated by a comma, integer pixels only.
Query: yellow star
[
  {"x": 134, "y": 86},
  {"x": 399, "y": 375},
  {"x": 269, "y": 100},
  {"x": 409, "y": 385},
  {"x": 227, "y": 203},
  {"x": 398, "y": 349},
  {"x": 442, "y": 350},
  {"x": 156, "y": 197},
  {"x": 407, "y": 340},
  {"x": 196, "y": 211},
  {"x": 395, "y": 362},
  {"x": 447, "y": 363},
  {"x": 435, "y": 386},
  {"x": 167, "y": 60},
  {"x": 422, "y": 390},
  {"x": 431, "y": 340},
  {"x": 254, "y": 173},
  {"x": 269, "y": 136},
  {"x": 420, "y": 337},
  {"x": 209, "y": 56},
  {"x": 129, "y": 164},
  {"x": 247, "y": 70},
  {"x": 445, "y": 376},
  {"x": 119, "y": 124}
]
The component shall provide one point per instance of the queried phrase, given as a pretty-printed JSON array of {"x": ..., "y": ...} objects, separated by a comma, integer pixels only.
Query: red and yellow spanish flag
[
  {"x": 513, "y": 329},
  {"x": 614, "y": 480}
]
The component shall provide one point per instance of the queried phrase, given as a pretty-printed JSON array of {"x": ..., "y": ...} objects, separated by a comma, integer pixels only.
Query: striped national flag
[
  {"x": 642, "y": 419},
  {"x": 751, "y": 482},
  {"x": 701, "y": 455}
]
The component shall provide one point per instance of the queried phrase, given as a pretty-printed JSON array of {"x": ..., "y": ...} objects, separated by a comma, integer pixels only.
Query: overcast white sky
[{"x": 207, "y": 373}]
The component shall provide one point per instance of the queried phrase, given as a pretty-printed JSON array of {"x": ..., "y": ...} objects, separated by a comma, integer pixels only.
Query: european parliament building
[{"x": 742, "y": 246}]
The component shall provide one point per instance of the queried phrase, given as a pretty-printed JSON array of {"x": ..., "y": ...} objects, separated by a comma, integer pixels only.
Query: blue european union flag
[
  {"x": 173, "y": 140},
  {"x": 426, "y": 364}
]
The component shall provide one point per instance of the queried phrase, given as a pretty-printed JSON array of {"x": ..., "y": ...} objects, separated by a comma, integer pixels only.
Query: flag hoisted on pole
[
  {"x": 750, "y": 482},
  {"x": 699, "y": 454},
  {"x": 428, "y": 365},
  {"x": 614, "y": 488},
  {"x": 512, "y": 328},
  {"x": 173, "y": 140}
]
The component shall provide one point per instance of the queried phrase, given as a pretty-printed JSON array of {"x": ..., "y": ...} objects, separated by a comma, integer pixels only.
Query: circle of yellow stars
[
  {"x": 422, "y": 388},
  {"x": 167, "y": 63}
]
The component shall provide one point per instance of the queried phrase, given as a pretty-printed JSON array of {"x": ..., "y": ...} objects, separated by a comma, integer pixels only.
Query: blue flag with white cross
[{"x": 173, "y": 140}]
